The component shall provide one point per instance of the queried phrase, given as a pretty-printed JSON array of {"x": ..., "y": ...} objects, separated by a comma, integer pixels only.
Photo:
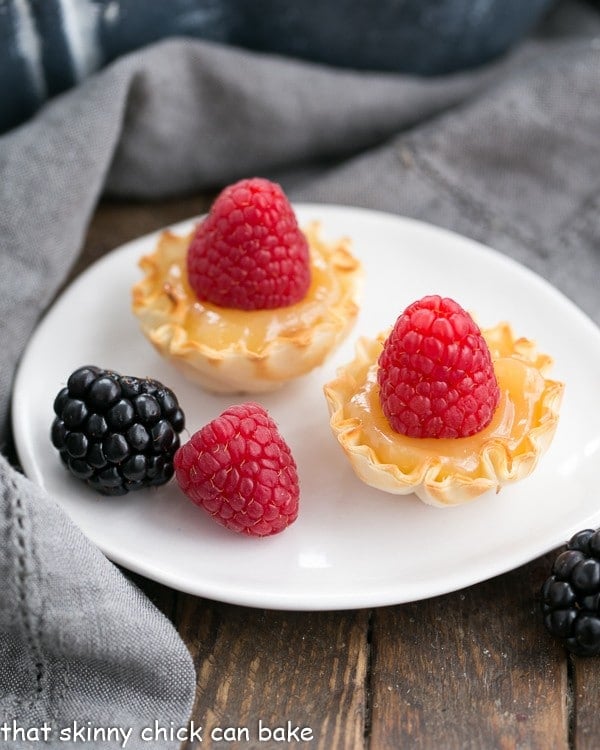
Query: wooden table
[{"x": 473, "y": 669}]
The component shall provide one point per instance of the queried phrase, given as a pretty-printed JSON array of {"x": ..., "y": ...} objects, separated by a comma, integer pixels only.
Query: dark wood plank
[
  {"x": 474, "y": 669},
  {"x": 277, "y": 667},
  {"x": 586, "y": 699}
]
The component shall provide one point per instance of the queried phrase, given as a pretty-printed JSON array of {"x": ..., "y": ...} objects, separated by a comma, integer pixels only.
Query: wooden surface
[{"x": 473, "y": 669}]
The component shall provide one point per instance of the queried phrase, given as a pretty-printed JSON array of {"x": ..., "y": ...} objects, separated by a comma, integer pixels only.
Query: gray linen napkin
[
  {"x": 80, "y": 646},
  {"x": 508, "y": 155}
]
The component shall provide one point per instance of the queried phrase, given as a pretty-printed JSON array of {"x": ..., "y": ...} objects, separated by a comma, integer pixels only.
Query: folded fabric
[
  {"x": 507, "y": 154},
  {"x": 78, "y": 651}
]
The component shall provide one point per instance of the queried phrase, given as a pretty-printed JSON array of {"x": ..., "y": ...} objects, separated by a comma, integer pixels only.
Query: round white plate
[{"x": 352, "y": 546}]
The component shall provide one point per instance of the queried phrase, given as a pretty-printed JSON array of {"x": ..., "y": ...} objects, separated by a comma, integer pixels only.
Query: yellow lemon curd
[
  {"x": 449, "y": 471},
  {"x": 230, "y": 350}
]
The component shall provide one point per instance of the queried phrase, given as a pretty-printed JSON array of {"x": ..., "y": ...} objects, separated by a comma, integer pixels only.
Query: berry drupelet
[
  {"x": 116, "y": 432},
  {"x": 571, "y": 595}
]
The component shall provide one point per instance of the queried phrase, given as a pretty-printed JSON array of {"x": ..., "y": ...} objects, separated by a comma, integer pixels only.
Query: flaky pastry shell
[
  {"x": 236, "y": 351},
  {"x": 446, "y": 472}
]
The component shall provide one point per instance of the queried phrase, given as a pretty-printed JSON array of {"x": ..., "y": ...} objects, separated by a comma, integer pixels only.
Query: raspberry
[
  {"x": 571, "y": 595},
  {"x": 435, "y": 375},
  {"x": 115, "y": 432},
  {"x": 241, "y": 471},
  {"x": 249, "y": 252}
]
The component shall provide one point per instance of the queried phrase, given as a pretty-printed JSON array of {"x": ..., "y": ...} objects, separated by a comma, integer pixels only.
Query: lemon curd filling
[
  {"x": 252, "y": 329},
  {"x": 449, "y": 471},
  {"x": 520, "y": 386},
  {"x": 208, "y": 342}
]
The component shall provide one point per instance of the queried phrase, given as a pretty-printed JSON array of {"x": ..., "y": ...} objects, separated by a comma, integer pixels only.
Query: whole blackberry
[
  {"x": 115, "y": 432},
  {"x": 571, "y": 595}
]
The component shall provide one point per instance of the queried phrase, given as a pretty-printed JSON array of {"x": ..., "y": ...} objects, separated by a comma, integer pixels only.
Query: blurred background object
[
  {"x": 427, "y": 37},
  {"x": 47, "y": 46}
]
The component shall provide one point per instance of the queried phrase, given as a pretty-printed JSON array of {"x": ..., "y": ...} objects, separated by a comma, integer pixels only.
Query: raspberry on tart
[
  {"x": 241, "y": 471},
  {"x": 248, "y": 301},
  {"x": 249, "y": 253},
  {"x": 420, "y": 410},
  {"x": 436, "y": 377}
]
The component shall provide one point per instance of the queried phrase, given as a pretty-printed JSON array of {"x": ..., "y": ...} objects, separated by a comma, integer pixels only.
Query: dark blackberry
[
  {"x": 116, "y": 432},
  {"x": 571, "y": 595}
]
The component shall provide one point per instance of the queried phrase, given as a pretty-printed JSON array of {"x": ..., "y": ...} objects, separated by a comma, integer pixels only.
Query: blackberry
[
  {"x": 116, "y": 432},
  {"x": 571, "y": 595}
]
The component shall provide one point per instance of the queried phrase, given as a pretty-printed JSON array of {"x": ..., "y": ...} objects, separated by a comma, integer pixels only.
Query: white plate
[{"x": 351, "y": 546}]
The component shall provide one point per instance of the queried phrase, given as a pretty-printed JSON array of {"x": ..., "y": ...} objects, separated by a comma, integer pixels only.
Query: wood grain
[
  {"x": 586, "y": 699},
  {"x": 302, "y": 667},
  {"x": 473, "y": 669}
]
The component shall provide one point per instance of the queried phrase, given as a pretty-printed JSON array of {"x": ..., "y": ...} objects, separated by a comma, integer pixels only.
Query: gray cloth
[
  {"x": 80, "y": 646},
  {"x": 508, "y": 155}
]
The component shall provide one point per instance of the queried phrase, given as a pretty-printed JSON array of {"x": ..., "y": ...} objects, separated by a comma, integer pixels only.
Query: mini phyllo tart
[
  {"x": 248, "y": 301},
  {"x": 442, "y": 409}
]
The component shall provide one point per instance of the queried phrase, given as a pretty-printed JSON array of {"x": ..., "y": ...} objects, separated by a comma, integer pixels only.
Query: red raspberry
[
  {"x": 436, "y": 376},
  {"x": 249, "y": 252},
  {"x": 241, "y": 471}
]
